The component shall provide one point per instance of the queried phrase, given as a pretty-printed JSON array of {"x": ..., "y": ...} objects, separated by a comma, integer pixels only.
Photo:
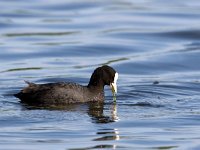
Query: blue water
[{"x": 153, "y": 44}]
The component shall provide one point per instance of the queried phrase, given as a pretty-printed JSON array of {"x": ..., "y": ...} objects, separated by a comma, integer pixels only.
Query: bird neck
[{"x": 96, "y": 86}]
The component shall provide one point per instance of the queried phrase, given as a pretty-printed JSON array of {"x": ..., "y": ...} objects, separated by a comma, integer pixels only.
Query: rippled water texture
[{"x": 153, "y": 44}]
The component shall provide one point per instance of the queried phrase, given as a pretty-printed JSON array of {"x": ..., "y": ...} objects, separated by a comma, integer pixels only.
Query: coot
[{"x": 65, "y": 93}]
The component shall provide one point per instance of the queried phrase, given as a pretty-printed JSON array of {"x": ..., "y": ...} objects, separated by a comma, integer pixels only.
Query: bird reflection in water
[
  {"x": 96, "y": 111},
  {"x": 107, "y": 134}
]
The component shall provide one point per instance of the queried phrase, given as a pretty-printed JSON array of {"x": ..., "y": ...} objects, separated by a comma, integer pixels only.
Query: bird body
[
  {"x": 58, "y": 93},
  {"x": 65, "y": 93}
]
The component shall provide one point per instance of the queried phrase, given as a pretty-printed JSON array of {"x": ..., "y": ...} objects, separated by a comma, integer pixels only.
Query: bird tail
[{"x": 29, "y": 83}]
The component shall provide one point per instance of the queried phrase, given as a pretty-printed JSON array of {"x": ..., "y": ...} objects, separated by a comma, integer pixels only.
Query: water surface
[{"x": 153, "y": 44}]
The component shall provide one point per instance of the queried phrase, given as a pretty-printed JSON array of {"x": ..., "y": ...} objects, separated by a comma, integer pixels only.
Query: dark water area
[{"x": 153, "y": 44}]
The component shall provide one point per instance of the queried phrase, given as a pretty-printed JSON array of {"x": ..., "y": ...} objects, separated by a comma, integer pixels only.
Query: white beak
[{"x": 113, "y": 85}]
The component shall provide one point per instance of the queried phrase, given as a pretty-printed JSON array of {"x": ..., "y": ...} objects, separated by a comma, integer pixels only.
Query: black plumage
[{"x": 65, "y": 93}]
